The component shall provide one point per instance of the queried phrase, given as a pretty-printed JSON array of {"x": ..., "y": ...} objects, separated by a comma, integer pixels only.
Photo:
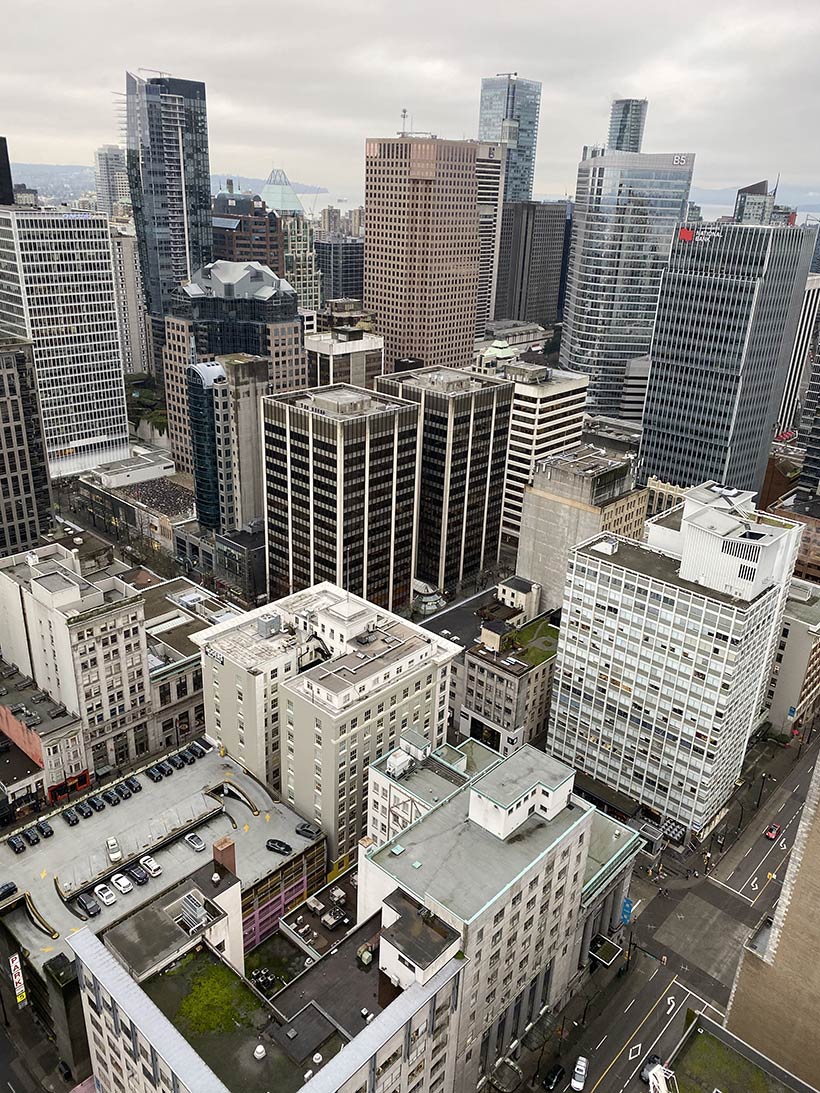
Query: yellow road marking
[
  {"x": 47, "y": 949},
  {"x": 634, "y": 1033},
  {"x": 44, "y": 874},
  {"x": 771, "y": 876},
  {"x": 246, "y": 827},
  {"x": 267, "y": 817}
]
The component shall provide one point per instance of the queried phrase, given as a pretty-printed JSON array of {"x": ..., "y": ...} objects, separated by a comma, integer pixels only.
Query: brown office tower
[
  {"x": 422, "y": 248},
  {"x": 246, "y": 230}
]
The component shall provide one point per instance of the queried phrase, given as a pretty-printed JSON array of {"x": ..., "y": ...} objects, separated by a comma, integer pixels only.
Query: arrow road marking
[
  {"x": 670, "y": 1004},
  {"x": 783, "y": 845},
  {"x": 753, "y": 885}
]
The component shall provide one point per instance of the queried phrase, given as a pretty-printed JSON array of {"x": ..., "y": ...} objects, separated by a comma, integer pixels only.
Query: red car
[{"x": 773, "y": 831}]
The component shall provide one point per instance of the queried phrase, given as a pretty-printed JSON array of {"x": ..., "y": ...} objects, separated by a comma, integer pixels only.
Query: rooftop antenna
[
  {"x": 403, "y": 120},
  {"x": 777, "y": 183}
]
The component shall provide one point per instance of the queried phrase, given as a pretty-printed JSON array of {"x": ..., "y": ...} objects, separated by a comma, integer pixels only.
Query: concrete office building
[
  {"x": 490, "y": 166},
  {"x": 523, "y": 883},
  {"x": 83, "y": 642},
  {"x": 341, "y": 467},
  {"x": 111, "y": 175},
  {"x": 213, "y": 480},
  {"x": 422, "y": 251},
  {"x": 754, "y": 204},
  {"x": 246, "y": 230},
  {"x": 530, "y": 257},
  {"x": 410, "y": 1022},
  {"x": 666, "y": 723},
  {"x": 25, "y": 490},
  {"x": 547, "y": 418},
  {"x": 76, "y": 346},
  {"x": 627, "y": 207},
  {"x": 794, "y": 689},
  {"x": 130, "y": 299},
  {"x": 803, "y": 508},
  {"x": 509, "y": 112},
  {"x": 169, "y": 179},
  {"x": 728, "y": 312},
  {"x": 323, "y": 681},
  {"x": 464, "y": 427},
  {"x": 627, "y": 119},
  {"x": 344, "y": 355},
  {"x": 414, "y": 777},
  {"x": 800, "y": 361},
  {"x": 572, "y": 497},
  {"x": 228, "y": 307},
  {"x": 340, "y": 259}
]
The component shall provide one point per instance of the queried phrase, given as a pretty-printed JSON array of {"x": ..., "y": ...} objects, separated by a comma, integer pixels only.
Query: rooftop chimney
[
  {"x": 229, "y": 185},
  {"x": 225, "y": 853}
]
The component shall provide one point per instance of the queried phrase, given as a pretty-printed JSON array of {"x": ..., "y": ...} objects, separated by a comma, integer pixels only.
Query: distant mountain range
[{"x": 65, "y": 182}]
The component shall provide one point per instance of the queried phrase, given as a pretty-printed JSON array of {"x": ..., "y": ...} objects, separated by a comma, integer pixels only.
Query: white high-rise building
[
  {"x": 665, "y": 652},
  {"x": 111, "y": 178},
  {"x": 128, "y": 291},
  {"x": 57, "y": 290},
  {"x": 490, "y": 161},
  {"x": 308, "y": 690}
]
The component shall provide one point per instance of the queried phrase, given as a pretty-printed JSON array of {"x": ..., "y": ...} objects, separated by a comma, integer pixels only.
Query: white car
[
  {"x": 114, "y": 852},
  {"x": 152, "y": 868},
  {"x": 579, "y": 1074},
  {"x": 122, "y": 883},
  {"x": 193, "y": 840},
  {"x": 105, "y": 895}
]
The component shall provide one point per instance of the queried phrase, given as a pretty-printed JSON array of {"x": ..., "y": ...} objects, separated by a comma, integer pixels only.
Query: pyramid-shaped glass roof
[{"x": 279, "y": 195}]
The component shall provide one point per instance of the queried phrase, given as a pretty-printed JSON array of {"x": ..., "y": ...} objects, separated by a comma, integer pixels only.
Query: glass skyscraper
[
  {"x": 728, "y": 313},
  {"x": 509, "y": 111},
  {"x": 170, "y": 182},
  {"x": 627, "y": 119},
  {"x": 626, "y": 208}
]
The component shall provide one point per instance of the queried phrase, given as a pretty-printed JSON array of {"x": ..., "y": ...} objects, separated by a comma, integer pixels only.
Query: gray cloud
[{"x": 302, "y": 85}]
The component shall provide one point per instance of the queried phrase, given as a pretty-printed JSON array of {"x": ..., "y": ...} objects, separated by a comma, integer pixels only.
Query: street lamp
[{"x": 760, "y": 794}]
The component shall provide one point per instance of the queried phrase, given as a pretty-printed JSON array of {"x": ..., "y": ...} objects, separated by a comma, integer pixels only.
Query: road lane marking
[
  {"x": 655, "y": 1041},
  {"x": 631, "y": 1004},
  {"x": 598, "y": 1045},
  {"x": 773, "y": 876},
  {"x": 781, "y": 807},
  {"x": 729, "y": 888},
  {"x": 775, "y": 846},
  {"x": 636, "y": 1031},
  {"x": 652, "y": 976},
  {"x": 635, "y": 1051}
]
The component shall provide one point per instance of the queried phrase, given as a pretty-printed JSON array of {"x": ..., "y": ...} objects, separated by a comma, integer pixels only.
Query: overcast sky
[{"x": 301, "y": 84}]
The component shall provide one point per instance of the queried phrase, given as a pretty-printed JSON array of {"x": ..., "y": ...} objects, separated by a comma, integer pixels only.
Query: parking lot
[{"x": 214, "y": 797}]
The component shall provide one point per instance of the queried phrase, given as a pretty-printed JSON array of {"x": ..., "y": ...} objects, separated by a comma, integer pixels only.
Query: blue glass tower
[{"x": 509, "y": 111}]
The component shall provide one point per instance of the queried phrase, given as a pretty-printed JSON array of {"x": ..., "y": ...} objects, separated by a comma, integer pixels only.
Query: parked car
[
  {"x": 187, "y": 756},
  {"x": 105, "y": 895},
  {"x": 554, "y": 1076},
  {"x": 151, "y": 867},
  {"x": 176, "y": 762},
  {"x": 154, "y": 774},
  {"x": 112, "y": 846},
  {"x": 122, "y": 883},
  {"x": 278, "y": 847},
  {"x": 196, "y": 748},
  {"x": 137, "y": 874},
  {"x": 45, "y": 828},
  {"x": 7, "y": 890},
  {"x": 649, "y": 1064},
  {"x": 84, "y": 809},
  {"x": 206, "y": 745},
  {"x": 71, "y": 817},
  {"x": 111, "y": 797},
  {"x": 96, "y": 802},
  {"x": 122, "y": 791},
  {"x": 773, "y": 831},
  {"x": 308, "y": 830},
  {"x": 579, "y": 1074},
  {"x": 31, "y": 836},
  {"x": 165, "y": 768},
  {"x": 88, "y": 905},
  {"x": 193, "y": 840},
  {"x": 134, "y": 784},
  {"x": 17, "y": 844}
]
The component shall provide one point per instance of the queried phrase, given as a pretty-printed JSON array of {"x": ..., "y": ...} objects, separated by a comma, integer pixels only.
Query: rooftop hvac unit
[
  {"x": 194, "y": 914},
  {"x": 268, "y": 624}
]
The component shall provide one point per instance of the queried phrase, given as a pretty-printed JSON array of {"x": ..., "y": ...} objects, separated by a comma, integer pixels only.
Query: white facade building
[
  {"x": 794, "y": 690},
  {"x": 665, "y": 651},
  {"x": 310, "y": 689},
  {"x": 481, "y": 918},
  {"x": 57, "y": 289},
  {"x": 111, "y": 177},
  {"x": 130, "y": 299},
  {"x": 490, "y": 169}
]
